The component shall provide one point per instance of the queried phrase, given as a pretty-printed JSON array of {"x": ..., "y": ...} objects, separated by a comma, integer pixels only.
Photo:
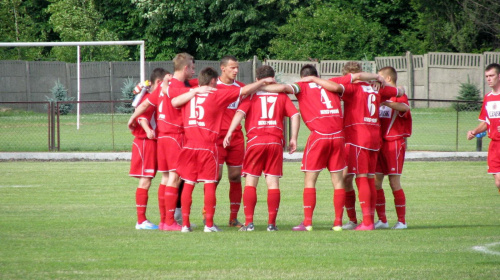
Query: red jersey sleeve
[
  {"x": 483, "y": 114},
  {"x": 245, "y": 105},
  {"x": 387, "y": 92},
  {"x": 154, "y": 97},
  {"x": 290, "y": 109}
]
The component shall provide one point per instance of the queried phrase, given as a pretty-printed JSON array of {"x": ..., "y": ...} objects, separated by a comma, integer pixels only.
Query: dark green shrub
[
  {"x": 60, "y": 93},
  {"x": 468, "y": 92},
  {"x": 127, "y": 94}
]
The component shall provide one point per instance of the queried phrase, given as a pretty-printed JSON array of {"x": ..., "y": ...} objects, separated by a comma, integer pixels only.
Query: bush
[
  {"x": 60, "y": 93},
  {"x": 468, "y": 92},
  {"x": 127, "y": 94}
]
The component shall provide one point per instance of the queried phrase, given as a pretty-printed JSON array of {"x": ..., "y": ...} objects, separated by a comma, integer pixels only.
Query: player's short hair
[
  {"x": 308, "y": 70},
  {"x": 206, "y": 75},
  {"x": 351, "y": 67},
  {"x": 225, "y": 60},
  {"x": 181, "y": 60},
  {"x": 158, "y": 74},
  {"x": 389, "y": 71},
  {"x": 265, "y": 71},
  {"x": 495, "y": 66}
]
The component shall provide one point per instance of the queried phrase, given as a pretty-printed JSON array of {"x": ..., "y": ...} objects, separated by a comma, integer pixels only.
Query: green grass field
[{"x": 75, "y": 220}]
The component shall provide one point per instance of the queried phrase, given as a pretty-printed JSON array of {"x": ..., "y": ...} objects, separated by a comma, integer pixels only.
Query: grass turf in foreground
[{"x": 76, "y": 220}]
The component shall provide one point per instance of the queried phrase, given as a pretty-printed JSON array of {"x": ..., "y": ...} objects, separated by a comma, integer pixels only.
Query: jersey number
[
  {"x": 372, "y": 108},
  {"x": 196, "y": 111},
  {"x": 267, "y": 114},
  {"x": 325, "y": 100}
]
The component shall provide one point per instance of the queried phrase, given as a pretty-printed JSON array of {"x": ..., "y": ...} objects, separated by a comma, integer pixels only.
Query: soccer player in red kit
[
  {"x": 143, "y": 162},
  {"x": 233, "y": 154},
  {"x": 362, "y": 131},
  {"x": 170, "y": 136},
  {"x": 490, "y": 120},
  {"x": 322, "y": 114},
  {"x": 395, "y": 122},
  {"x": 202, "y": 120},
  {"x": 264, "y": 113}
]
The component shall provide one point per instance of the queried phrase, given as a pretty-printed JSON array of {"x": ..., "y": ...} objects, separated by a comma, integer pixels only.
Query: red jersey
[
  {"x": 320, "y": 109},
  {"x": 169, "y": 119},
  {"x": 361, "y": 108},
  {"x": 231, "y": 109},
  {"x": 149, "y": 116},
  {"x": 202, "y": 115},
  {"x": 264, "y": 113},
  {"x": 490, "y": 113},
  {"x": 394, "y": 124}
]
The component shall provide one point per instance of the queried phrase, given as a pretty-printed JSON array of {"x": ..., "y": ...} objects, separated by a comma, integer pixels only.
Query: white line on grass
[
  {"x": 486, "y": 249},
  {"x": 19, "y": 186}
]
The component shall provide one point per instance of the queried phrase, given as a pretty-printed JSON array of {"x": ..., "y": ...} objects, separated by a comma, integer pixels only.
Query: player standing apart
[
  {"x": 395, "y": 123},
  {"x": 264, "y": 113},
  {"x": 202, "y": 119},
  {"x": 143, "y": 162},
  {"x": 490, "y": 120},
  {"x": 233, "y": 154}
]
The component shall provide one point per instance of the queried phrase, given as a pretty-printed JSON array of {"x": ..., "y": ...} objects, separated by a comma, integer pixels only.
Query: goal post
[{"x": 78, "y": 44}]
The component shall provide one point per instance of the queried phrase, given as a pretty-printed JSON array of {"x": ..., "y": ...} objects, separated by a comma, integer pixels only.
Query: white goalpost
[{"x": 78, "y": 44}]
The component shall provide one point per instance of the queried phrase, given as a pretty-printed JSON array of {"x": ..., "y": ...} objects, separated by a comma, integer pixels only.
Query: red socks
[
  {"x": 380, "y": 206},
  {"x": 400, "y": 203},
  {"x": 373, "y": 197},
  {"x": 141, "y": 202},
  {"x": 170, "y": 203},
  {"x": 186, "y": 201},
  {"x": 249, "y": 202},
  {"x": 339, "y": 200},
  {"x": 364, "y": 196},
  {"x": 161, "y": 202},
  {"x": 350, "y": 206},
  {"x": 309, "y": 198},
  {"x": 273, "y": 204},
  {"x": 235, "y": 194},
  {"x": 210, "y": 203}
]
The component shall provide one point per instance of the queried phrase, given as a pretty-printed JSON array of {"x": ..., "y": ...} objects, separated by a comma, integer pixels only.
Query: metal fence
[{"x": 103, "y": 127}]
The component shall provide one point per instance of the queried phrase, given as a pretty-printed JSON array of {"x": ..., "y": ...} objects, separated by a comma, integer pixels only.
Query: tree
[
  {"x": 78, "y": 20},
  {"x": 211, "y": 29},
  {"x": 328, "y": 32}
]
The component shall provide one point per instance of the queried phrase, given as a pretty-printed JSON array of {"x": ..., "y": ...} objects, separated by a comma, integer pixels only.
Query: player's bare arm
[
  {"x": 184, "y": 98},
  {"x": 327, "y": 84},
  {"x": 149, "y": 132},
  {"x": 480, "y": 128},
  {"x": 255, "y": 86},
  {"x": 366, "y": 77},
  {"x": 292, "y": 145},
  {"x": 278, "y": 88},
  {"x": 238, "y": 117},
  {"x": 138, "y": 111},
  {"x": 398, "y": 106}
]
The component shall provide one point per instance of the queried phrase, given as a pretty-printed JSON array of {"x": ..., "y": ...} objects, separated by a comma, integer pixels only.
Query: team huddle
[{"x": 188, "y": 128}]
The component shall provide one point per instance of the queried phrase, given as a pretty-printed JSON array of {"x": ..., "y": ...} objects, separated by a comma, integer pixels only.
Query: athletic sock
[
  {"x": 309, "y": 198},
  {"x": 249, "y": 202},
  {"x": 350, "y": 205},
  {"x": 400, "y": 203},
  {"x": 235, "y": 195},
  {"x": 273, "y": 204},
  {"x": 170, "y": 204},
  {"x": 187, "y": 200},
  {"x": 210, "y": 203},
  {"x": 373, "y": 198},
  {"x": 161, "y": 202},
  {"x": 380, "y": 206},
  {"x": 141, "y": 202},
  {"x": 339, "y": 199},
  {"x": 364, "y": 197}
]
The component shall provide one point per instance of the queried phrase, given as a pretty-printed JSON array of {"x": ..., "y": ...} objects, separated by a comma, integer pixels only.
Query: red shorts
[
  {"x": 494, "y": 157},
  {"x": 169, "y": 149},
  {"x": 391, "y": 157},
  {"x": 234, "y": 153},
  {"x": 143, "y": 161},
  {"x": 264, "y": 154},
  {"x": 198, "y": 162},
  {"x": 361, "y": 161},
  {"x": 324, "y": 151}
]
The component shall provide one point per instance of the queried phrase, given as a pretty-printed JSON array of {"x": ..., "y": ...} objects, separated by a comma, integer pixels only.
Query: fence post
[
  {"x": 411, "y": 75},
  {"x": 53, "y": 107},
  {"x": 479, "y": 144}
]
